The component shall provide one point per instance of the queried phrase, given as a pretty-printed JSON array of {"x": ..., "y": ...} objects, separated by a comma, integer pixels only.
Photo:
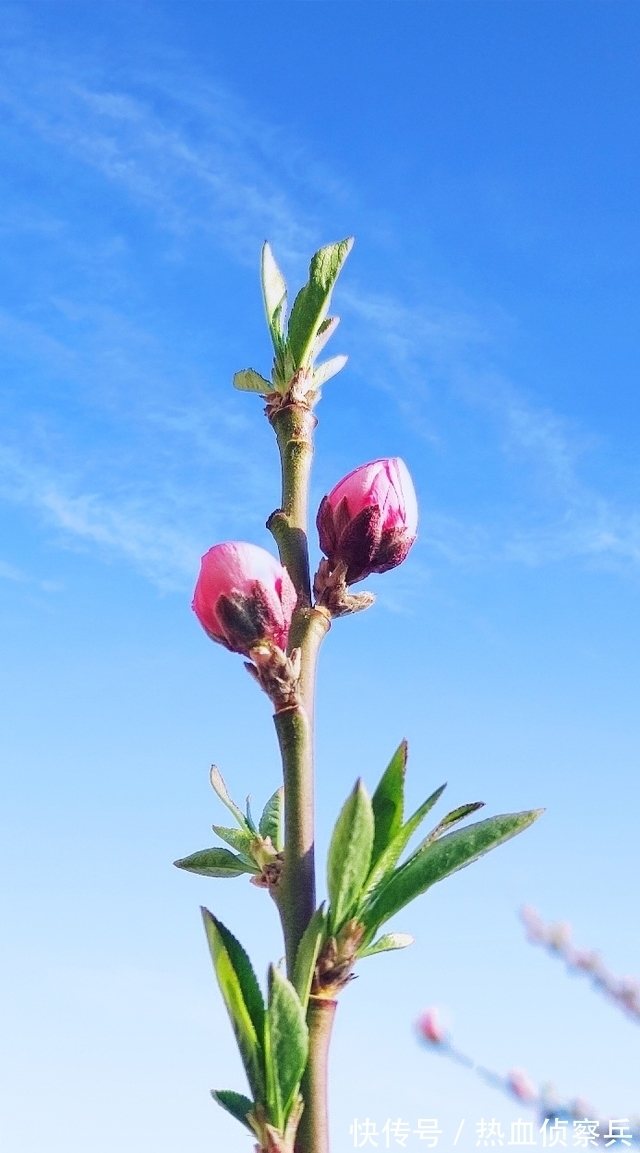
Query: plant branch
[
  {"x": 293, "y": 425},
  {"x": 295, "y": 893},
  {"x": 313, "y": 1134}
]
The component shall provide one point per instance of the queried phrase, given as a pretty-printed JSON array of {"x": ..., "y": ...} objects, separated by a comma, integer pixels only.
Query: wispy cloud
[
  {"x": 428, "y": 348},
  {"x": 574, "y": 518},
  {"x": 123, "y": 527},
  {"x": 205, "y": 163},
  {"x": 9, "y": 572},
  {"x": 121, "y": 440},
  {"x": 116, "y": 437}
]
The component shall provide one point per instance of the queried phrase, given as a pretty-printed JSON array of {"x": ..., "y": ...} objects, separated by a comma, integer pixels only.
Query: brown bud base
[
  {"x": 331, "y": 591},
  {"x": 300, "y": 391},
  {"x": 334, "y": 967},
  {"x": 276, "y": 673},
  {"x": 271, "y": 873}
]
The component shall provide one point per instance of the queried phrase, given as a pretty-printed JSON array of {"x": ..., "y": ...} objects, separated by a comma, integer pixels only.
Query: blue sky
[{"x": 485, "y": 156}]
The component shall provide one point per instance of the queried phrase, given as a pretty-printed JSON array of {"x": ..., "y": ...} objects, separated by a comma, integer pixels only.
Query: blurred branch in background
[
  {"x": 556, "y": 939},
  {"x": 557, "y": 1118},
  {"x": 551, "y": 1109}
]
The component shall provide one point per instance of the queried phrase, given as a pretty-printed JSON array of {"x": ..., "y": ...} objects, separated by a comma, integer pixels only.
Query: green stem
[
  {"x": 296, "y": 894},
  {"x": 313, "y": 1134},
  {"x": 294, "y": 425}
]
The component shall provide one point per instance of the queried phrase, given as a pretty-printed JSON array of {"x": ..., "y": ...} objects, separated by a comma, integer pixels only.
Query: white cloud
[
  {"x": 546, "y": 450},
  {"x": 223, "y": 175},
  {"x": 124, "y": 526}
]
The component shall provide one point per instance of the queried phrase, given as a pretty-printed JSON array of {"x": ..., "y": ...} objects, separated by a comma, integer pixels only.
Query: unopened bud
[
  {"x": 244, "y": 597},
  {"x": 369, "y": 520}
]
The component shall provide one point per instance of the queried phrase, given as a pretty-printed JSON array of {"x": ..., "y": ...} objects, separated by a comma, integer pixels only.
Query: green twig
[
  {"x": 296, "y": 894},
  {"x": 313, "y": 1134},
  {"x": 294, "y": 425}
]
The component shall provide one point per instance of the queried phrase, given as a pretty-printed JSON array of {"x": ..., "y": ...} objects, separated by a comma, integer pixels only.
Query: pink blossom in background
[
  {"x": 521, "y": 1086},
  {"x": 430, "y": 1028},
  {"x": 557, "y": 939}
]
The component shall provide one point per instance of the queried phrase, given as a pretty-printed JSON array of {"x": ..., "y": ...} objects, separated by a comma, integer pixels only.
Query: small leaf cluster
[
  {"x": 297, "y": 344},
  {"x": 272, "y": 1038},
  {"x": 366, "y": 883},
  {"x": 257, "y": 848}
]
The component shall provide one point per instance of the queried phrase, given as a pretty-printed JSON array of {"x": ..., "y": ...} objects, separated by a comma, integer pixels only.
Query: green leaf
[
  {"x": 394, "y": 850},
  {"x": 452, "y": 818},
  {"x": 388, "y": 802},
  {"x": 307, "y": 955},
  {"x": 439, "y": 860},
  {"x": 220, "y": 789},
  {"x": 312, "y": 302},
  {"x": 389, "y": 941},
  {"x": 325, "y": 332},
  {"x": 288, "y": 1043},
  {"x": 323, "y": 372},
  {"x": 349, "y": 857},
  {"x": 274, "y": 291},
  {"x": 215, "y": 863},
  {"x": 240, "y": 841},
  {"x": 250, "y": 821},
  {"x": 248, "y": 380},
  {"x": 271, "y": 820},
  {"x": 235, "y": 1103},
  {"x": 242, "y": 998}
]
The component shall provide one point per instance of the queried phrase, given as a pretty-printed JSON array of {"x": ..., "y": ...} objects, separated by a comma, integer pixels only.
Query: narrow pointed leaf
[
  {"x": 325, "y": 332},
  {"x": 349, "y": 855},
  {"x": 307, "y": 955},
  {"x": 249, "y": 818},
  {"x": 242, "y": 997},
  {"x": 272, "y": 1088},
  {"x": 323, "y": 372},
  {"x": 388, "y": 802},
  {"x": 220, "y": 789},
  {"x": 386, "y": 943},
  {"x": 215, "y": 863},
  {"x": 447, "y": 822},
  {"x": 439, "y": 860},
  {"x": 235, "y": 1103},
  {"x": 248, "y": 380},
  {"x": 271, "y": 819},
  {"x": 274, "y": 291},
  {"x": 238, "y": 839},
  {"x": 389, "y": 856},
  {"x": 289, "y": 1039},
  {"x": 312, "y": 302}
]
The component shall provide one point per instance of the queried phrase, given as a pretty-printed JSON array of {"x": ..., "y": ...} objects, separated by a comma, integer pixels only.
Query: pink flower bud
[
  {"x": 369, "y": 519},
  {"x": 243, "y": 596},
  {"x": 430, "y": 1028},
  {"x": 521, "y": 1087}
]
